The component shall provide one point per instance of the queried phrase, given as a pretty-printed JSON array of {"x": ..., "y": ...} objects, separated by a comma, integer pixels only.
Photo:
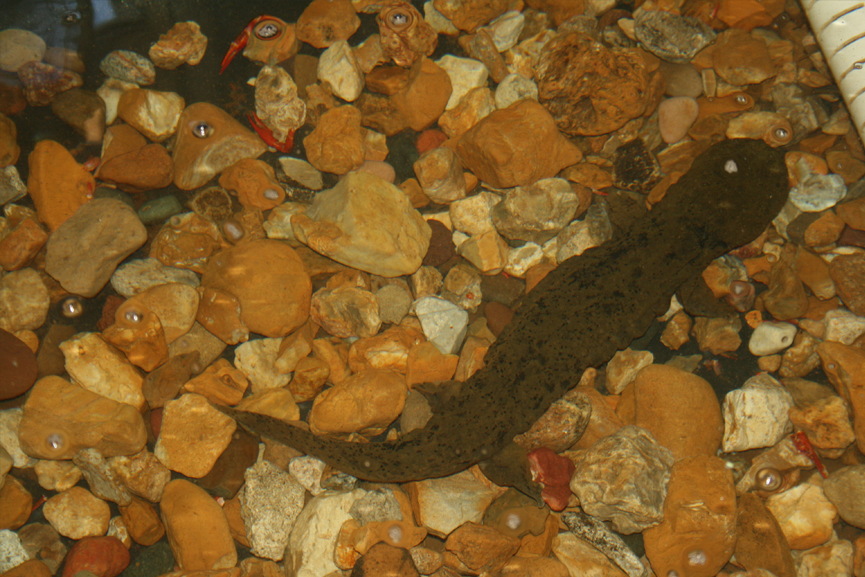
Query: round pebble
[{"x": 676, "y": 115}]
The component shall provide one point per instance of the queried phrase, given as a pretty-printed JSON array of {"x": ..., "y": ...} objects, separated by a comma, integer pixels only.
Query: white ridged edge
[{"x": 839, "y": 26}]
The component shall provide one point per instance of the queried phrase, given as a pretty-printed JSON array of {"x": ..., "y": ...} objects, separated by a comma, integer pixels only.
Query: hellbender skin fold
[{"x": 583, "y": 312}]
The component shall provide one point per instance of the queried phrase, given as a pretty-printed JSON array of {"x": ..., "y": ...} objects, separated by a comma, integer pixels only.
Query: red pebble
[
  {"x": 102, "y": 556},
  {"x": 549, "y": 468},
  {"x": 429, "y": 139},
  {"x": 556, "y": 496},
  {"x": 156, "y": 421}
]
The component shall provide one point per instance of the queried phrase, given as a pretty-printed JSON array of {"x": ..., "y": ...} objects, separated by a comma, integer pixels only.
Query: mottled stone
[
  {"x": 57, "y": 183},
  {"x": 183, "y": 43},
  {"x": 128, "y": 66},
  {"x": 98, "y": 367},
  {"x": 18, "y": 47},
  {"x": 24, "y": 301},
  {"x": 425, "y": 95},
  {"x": 442, "y": 505},
  {"x": 76, "y": 513},
  {"x": 622, "y": 478},
  {"x": 271, "y": 501},
  {"x": 192, "y": 436},
  {"x": 324, "y": 22},
  {"x": 336, "y": 143},
  {"x": 42, "y": 81}
]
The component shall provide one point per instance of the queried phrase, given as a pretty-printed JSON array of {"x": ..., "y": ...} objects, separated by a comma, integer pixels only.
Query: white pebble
[{"x": 770, "y": 338}]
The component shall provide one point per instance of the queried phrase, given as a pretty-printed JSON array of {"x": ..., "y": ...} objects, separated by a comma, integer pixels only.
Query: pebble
[
  {"x": 43, "y": 544},
  {"x": 582, "y": 558},
  {"x": 405, "y": 36},
  {"x": 76, "y": 513},
  {"x": 257, "y": 360},
  {"x": 193, "y": 435},
  {"x": 681, "y": 79},
  {"x": 847, "y": 271},
  {"x": 128, "y": 66},
  {"x": 481, "y": 548},
  {"x": 336, "y": 144},
  {"x": 271, "y": 501},
  {"x": 185, "y": 510},
  {"x": 311, "y": 544},
  {"x": 741, "y": 58},
  {"x": 12, "y": 552},
  {"x": 18, "y": 47},
  {"x": 10, "y": 420},
  {"x": 24, "y": 301},
  {"x": 153, "y": 113},
  {"x": 514, "y": 87},
  {"x": 42, "y": 82},
  {"x": 838, "y": 361},
  {"x": 183, "y": 43},
  {"x": 826, "y": 422},
  {"x": 805, "y": 515},
  {"x": 147, "y": 168},
  {"x": 465, "y": 74},
  {"x": 477, "y": 104},
  {"x": 676, "y": 115},
  {"x": 142, "y": 474},
  {"x": 672, "y": 37},
  {"x": 83, "y": 110},
  {"x": 278, "y": 274},
  {"x": 339, "y": 69},
  {"x": 57, "y": 184},
  {"x": 579, "y": 236},
  {"x": 143, "y": 523},
  {"x": 277, "y": 103},
  {"x": 102, "y": 556},
  {"x": 110, "y": 91},
  {"x": 623, "y": 368},
  {"x": 16, "y": 503},
  {"x": 833, "y": 558},
  {"x": 770, "y": 338},
  {"x": 536, "y": 212},
  {"x": 527, "y": 143},
  {"x": 756, "y": 415},
  {"x": 444, "y": 323},
  {"x": 338, "y": 410},
  {"x": 441, "y": 505},
  {"x": 101, "y": 478},
  {"x": 18, "y": 369},
  {"x": 301, "y": 172},
  {"x": 424, "y": 98},
  {"x": 139, "y": 275},
  {"x": 208, "y": 142},
  {"x": 760, "y": 543},
  {"x": 11, "y": 186},
  {"x": 325, "y": 22},
  {"x": 379, "y": 231},
  {"x": 85, "y": 250},
  {"x": 440, "y": 174}
]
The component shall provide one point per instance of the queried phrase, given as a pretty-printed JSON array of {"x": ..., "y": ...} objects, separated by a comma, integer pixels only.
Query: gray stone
[
  {"x": 672, "y": 37},
  {"x": 444, "y": 324},
  {"x": 11, "y": 186},
  {"x": 101, "y": 477},
  {"x": 537, "y": 212},
  {"x": 159, "y": 209},
  {"x": 83, "y": 253},
  {"x": 623, "y": 479},
  {"x": 817, "y": 192},
  {"x": 12, "y": 552},
  {"x": 394, "y": 303},
  {"x": 581, "y": 235},
  {"x": 270, "y": 503},
  {"x": 595, "y": 532},
  {"x": 128, "y": 66}
]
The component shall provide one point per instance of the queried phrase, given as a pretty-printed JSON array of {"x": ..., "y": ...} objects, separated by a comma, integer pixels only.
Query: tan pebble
[
  {"x": 805, "y": 514},
  {"x": 31, "y": 568},
  {"x": 61, "y": 418},
  {"x": 98, "y": 367},
  {"x": 254, "y": 182},
  {"x": 143, "y": 522},
  {"x": 825, "y": 230},
  {"x": 346, "y": 312},
  {"x": 336, "y": 143},
  {"x": 324, "y": 22},
  {"x": 826, "y": 423},
  {"x": 848, "y": 273},
  {"x": 740, "y": 58},
  {"x": 193, "y": 435},
  {"x": 698, "y": 533},
  {"x": 676, "y": 116},
  {"x": 381, "y": 169},
  {"x": 480, "y": 548},
  {"x": 183, "y": 43},
  {"x": 364, "y": 403},
  {"x": 16, "y": 503},
  {"x": 153, "y": 113},
  {"x": 425, "y": 96},
  {"x": 76, "y": 513},
  {"x": 852, "y": 213},
  {"x": 603, "y": 421},
  {"x": 186, "y": 509},
  {"x": 844, "y": 365},
  {"x": 425, "y": 363},
  {"x": 760, "y": 543},
  {"x": 269, "y": 280},
  {"x": 57, "y": 183},
  {"x": 220, "y": 383},
  {"x": 142, "y": 474},
  {"x": 276, "y": 402},
  {"x": 57, "y": 475},
  {"x": 718, "y": 335},
  {"x": 386, "y": 350}
]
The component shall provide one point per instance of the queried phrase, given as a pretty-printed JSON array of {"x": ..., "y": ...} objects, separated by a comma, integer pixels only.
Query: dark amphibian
[{"x": 583, "y": 312}]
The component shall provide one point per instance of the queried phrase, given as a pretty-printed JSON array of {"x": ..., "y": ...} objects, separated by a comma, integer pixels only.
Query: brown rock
[
  {"x": 740, "y": 58},
  {"x": 219, "y": 313},
  {"x": 481, "y": 47},
  {"x": 186, "y": 509},
  {"x": 826, "y": 423},
  {"x": 852, "y": 213},
  {"x": 103, "y": 556},
  {"x": 138, "y": 332},
  {"x": 269, "y": 280},
  {"x": 120, "y": 139},
  {"x": 208, "y": 142},
  {"x": 468, "y": 15},
  {"x": 364, "y": 403},
  {"x": 324, "y": 22},
  {"x": 480, "y": 548},
  {"x": 679, "y": 409},
  {"x": 83, "y": 253},
  {"x": 590, "y": 89},
  {"x": 183, "y": 43},
  {"x": 516, "y": 146},
  {"x": 825, "y": 230},
  {"x": 61, "y": 418},
  {"x": 254, "y": 182},
  {"x": 57, "y": 184},
  {"x": 31, "y": 568},
  {"x": 146, "y": 168},
  {"x": 143, "y": 522},
  {"x": 603, "y": 421},
  {"x": 384, "y": 559},
  {"x": 698, "y": 532},
  {"x": 336, "y": 143},
  {"x": 16, "y": 504},
  {"x": 427, "y": 364},
  {"x": 84, "y": 111},
  {"x": 226, "y": 477},
  {"x": 42, "y": 82},
  {"x": 220, "y": 383},
  {"x": 425, "y": 96},
  {"x": 20, "y": 246},
  {"x": 9, "y": 149},
  {"x": 844, "y": 365},
  {"x": 718, "y": 335},
  {"x": 380, "y": 114},
  {"x": 760, "y": 543},
  {"x": 154, "y": 113},
  {"x": 848, "y": 272},
  {"x": 18, "y": 368}
]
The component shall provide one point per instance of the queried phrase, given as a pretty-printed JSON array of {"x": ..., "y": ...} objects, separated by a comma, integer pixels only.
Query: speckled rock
[
  {"x": 672, "y": 37},
  {"x": 336, "y": 143},
  {"x": 623, "y": 478},
  {"x": 76, "y": 513},
  {"x": 24, "y": 301},
  {"x": 183, "y": 43},
  {"x": 324, "y": 22},
  {"x": 155, "y": 114},
  {"x": 98, "y": 367},
  {"x": 271, "y": 501},
  {"x": 128, "y": 66},
  {"x": 42, "y": 81}
]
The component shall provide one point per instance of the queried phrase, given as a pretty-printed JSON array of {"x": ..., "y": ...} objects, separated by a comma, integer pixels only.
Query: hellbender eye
[
  {"x": 399, "y": 19},
  {"x": 133, "y": 316},
  {"x": 781, "y": 133},
  {"x": 202, "y": 129},
  {"x": 267, "y": 30},
  {"x": 55, "y": 441},
  {"x": 72, "y": 308},
  {"x": 769, "y": 479}
]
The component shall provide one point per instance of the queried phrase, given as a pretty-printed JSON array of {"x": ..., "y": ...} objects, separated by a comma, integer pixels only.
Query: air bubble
[{"x": 55, "y": 441}]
